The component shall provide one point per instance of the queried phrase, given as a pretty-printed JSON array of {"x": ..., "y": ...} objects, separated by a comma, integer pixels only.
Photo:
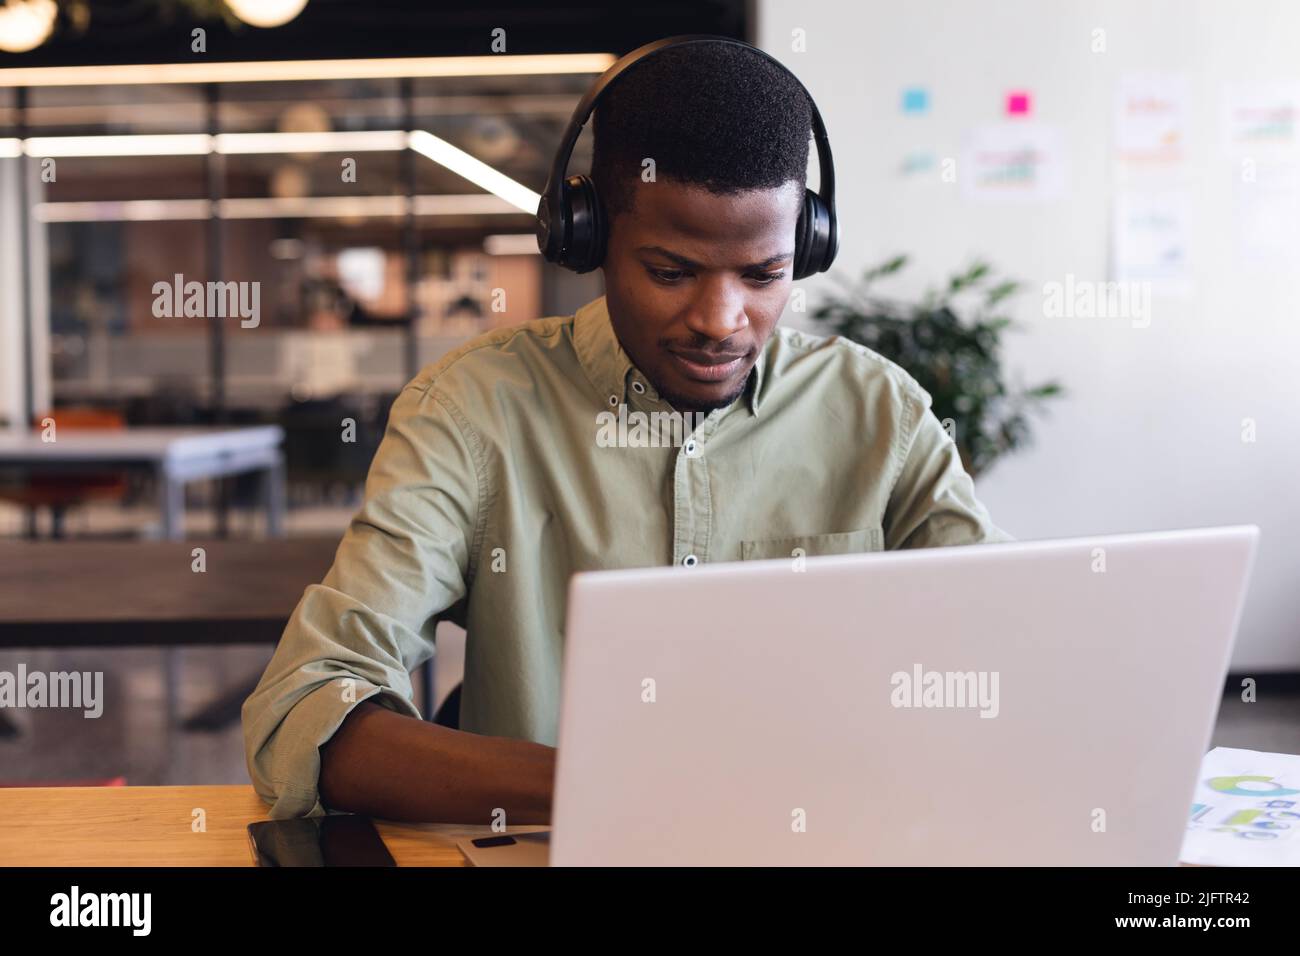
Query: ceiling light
[
  {"x": 166, "y": 144},
  {"x": 333, "y": 142},
  {"x": 511, "y": 244},
  {"x": 475, "y": 170},
  {"x": 281, "y": 71},
  {"x": 266, "y": 13},
  {"x": 26, "y": 24},
  {"x": 151, "y": 210}
]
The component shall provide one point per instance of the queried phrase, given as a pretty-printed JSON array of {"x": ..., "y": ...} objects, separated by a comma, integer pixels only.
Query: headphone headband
[{"x": 553, "y": 211}]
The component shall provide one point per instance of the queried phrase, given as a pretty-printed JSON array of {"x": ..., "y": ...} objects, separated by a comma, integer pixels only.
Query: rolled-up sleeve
[
  {"x": 932, "y": 503},
  {"x": 404, "y": 560}
]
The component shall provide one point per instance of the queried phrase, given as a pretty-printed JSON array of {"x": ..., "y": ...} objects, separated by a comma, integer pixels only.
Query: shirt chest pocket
[{"x": 813, "y": 545}]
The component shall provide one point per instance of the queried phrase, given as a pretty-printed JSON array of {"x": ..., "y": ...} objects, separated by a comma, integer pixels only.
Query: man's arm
[
  {"x": 932, "y": 503},
  {"x": 336, "y": 702},
  {"x": 386, "y": 765}
]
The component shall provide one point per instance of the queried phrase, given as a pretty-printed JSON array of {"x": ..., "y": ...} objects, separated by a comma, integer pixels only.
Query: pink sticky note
[{"x": 1018, "y": 104}]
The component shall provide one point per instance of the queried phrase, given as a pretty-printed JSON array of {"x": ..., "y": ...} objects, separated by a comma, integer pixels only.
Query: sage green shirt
[{"x": 532, "y": 453}]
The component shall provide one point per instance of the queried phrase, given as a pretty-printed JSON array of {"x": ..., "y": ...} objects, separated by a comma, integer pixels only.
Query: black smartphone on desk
[{"x": 338, "y": 840}]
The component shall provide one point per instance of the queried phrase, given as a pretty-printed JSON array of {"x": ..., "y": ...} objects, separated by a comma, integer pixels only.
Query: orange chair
[{"x": 60, "y": 491}]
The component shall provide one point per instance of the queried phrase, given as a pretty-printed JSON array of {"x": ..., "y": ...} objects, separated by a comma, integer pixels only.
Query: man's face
[{"x": 695, "y": 283}]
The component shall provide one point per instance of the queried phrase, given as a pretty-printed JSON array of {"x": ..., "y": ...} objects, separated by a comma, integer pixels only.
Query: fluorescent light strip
[
  {"x": 9, "y": 148},
  {"x": 465, "y": 204},
  {"x": 311, "y": 207},
  {"x": 156, "y": 210},
  {"x": 178, "y": 144},
  {"x": 273, "y": 71},
  {"x": 131, "y": 210},
  {"x": 198, "y": 144},
  {"x": 326, "y": 142},
  {"x": 194, "y": 144},
  {"x": 475, "y": 170},
  {"x": 511, "y": 244}
]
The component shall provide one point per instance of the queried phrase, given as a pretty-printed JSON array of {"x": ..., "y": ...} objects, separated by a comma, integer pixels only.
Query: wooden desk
[{"x": 150, "y": 826}]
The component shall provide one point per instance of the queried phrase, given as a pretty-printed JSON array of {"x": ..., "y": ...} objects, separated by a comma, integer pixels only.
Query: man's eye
[{"x": 675, "y": 275}]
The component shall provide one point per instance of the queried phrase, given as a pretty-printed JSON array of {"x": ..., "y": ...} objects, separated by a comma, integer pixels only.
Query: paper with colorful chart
[{"x": 1246, "y": 811}]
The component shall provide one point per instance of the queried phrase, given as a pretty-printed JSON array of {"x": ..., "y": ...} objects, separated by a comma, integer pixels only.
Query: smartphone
[{"x": 338, "y": 840}]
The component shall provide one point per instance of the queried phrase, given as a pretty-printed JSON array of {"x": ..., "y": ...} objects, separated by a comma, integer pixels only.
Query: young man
[{"x": 500, "y": 474}]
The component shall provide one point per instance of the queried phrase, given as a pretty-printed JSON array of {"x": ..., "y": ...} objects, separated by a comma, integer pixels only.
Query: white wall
[{"x": 1150, "y": 437}]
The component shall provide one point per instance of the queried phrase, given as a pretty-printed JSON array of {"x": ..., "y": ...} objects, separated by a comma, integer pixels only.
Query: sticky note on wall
[
  {"x": 916, "y": 99},
  {"x": 1018, "y": 103}
]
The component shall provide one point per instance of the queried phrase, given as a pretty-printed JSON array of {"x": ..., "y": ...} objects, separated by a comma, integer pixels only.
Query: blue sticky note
[{"x": 916, "y": 99}]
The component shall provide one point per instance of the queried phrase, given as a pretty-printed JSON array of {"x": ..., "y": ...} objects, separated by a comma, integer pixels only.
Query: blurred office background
[{"x": 234, "y": 165}]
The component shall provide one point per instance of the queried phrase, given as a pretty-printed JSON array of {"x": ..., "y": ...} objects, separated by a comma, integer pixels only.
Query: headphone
[{"x": 571, "y": 225}]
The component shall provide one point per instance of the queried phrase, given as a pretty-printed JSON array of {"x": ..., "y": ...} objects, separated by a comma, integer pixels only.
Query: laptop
[{"x": 1025, "y": 703}]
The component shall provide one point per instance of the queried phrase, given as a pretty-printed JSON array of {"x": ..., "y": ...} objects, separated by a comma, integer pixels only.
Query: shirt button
[
  {"x": 690, "y": 561},
  {"x": 691, "y": 448},
  {"x": 638, "y": 387}
]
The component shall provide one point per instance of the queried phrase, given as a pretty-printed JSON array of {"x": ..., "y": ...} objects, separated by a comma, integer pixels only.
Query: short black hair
[{"x": 716, "y": 115}]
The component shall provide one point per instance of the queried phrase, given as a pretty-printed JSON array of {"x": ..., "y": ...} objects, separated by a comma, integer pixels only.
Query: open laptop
[{"x": 1034, "y": 703}]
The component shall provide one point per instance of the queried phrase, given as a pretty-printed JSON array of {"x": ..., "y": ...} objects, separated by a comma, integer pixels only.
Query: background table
[
  {"x": 151, "y": 826},
  {"x": 174, "y": 455}
]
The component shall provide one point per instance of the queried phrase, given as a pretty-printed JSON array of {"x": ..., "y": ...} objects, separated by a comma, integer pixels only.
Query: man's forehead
[
  {"x": 668, "y": 197},
  {"x": 686, "y": 211}
]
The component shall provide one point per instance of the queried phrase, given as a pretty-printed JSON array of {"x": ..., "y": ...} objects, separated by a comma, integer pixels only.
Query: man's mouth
[{"x": 707, "y": 366}]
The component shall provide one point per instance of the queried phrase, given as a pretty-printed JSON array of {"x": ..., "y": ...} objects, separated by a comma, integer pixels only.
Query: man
[{"x": 500, "y": 473}]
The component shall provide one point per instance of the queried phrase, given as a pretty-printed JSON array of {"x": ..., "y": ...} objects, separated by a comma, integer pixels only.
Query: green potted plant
[{"x": 956, "y": 360}]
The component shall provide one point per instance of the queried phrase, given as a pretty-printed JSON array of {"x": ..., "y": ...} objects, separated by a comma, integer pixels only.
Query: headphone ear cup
[
  {"x": 584, "y": 225},
  {"x": 599, "y": 227},
  {"x": 814, "y": 237},
  {"x": 802, "y": 238}
]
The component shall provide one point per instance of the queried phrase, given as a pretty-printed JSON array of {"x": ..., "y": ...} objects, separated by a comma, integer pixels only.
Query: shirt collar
[
  {"x": 602, "y": 357},
  {"x": 609, "y": 368}
]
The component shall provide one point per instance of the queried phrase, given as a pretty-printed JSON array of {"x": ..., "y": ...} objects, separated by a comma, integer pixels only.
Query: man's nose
[{"x": 718, "y": 312}]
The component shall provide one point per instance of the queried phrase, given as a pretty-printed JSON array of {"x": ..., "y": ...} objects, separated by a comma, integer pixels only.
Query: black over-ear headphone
[{"x": 571, "y": 225}]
